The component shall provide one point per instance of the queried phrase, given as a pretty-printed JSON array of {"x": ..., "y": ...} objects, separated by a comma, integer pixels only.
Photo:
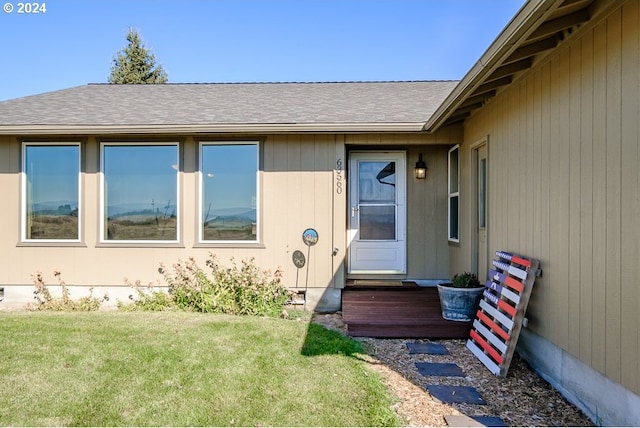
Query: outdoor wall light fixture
[{"x": 421, "y": 168}]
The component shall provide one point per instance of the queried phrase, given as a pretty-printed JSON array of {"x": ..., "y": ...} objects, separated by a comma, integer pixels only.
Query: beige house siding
[
  {"x": 299, "y": 192},
  {"x": 296, "y": 192},
  {"x": 569, "y": 132},
  {"x": 302, "y": 184}
]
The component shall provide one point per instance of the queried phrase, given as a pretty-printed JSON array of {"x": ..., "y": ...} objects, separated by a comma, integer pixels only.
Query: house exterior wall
[
  {"x": 302, "y": 184},
  {"x": 427, "y": 253},
  {"x": 564, "y": 187}
]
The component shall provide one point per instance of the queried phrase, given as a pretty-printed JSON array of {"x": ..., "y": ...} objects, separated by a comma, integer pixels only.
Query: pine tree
[{"x": 135, "y": 64}]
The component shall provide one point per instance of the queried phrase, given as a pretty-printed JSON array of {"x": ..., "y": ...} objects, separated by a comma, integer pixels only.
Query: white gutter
[
  {"x": 213, "y": 128},
  {"x": 528, "y": 18}
]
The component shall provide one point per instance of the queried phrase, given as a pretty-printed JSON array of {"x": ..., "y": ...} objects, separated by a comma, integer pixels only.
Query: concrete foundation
[
  {"x": 18, "y": 296},
  {"x": 605, "y": 402}
]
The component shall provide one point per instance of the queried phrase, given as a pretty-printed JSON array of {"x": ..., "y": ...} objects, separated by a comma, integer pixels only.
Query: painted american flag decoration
[{"x": 500, "y": 317}]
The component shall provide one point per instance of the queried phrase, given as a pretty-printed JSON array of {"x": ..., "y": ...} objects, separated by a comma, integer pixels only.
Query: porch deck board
[{"x": 398, "y": 312}]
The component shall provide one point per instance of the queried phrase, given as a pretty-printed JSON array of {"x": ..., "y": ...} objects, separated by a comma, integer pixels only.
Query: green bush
[
  {"x": 46, "y": 302},
  {"x": 148, "y": 299},
  {"x": 465, "y": 280},
  {"x": 238, "y": 289}
]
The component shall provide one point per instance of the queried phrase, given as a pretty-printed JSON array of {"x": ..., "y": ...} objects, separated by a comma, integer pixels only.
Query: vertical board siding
[
  {"x": 587, "y": 265},
  {"x": 323, "y": 214},
  {"x": 9, "y": 183},
  {"x": 545, "y": 184},
  {"x": 598, "y": 346},
  {"x": 575, "y": 276},
  {"x": 612, "y": 308},
  {"x": 298, "y": 195},
  {"x": 564, "y": 148},
  {"x": 338, "y": 157},
  {"x": 630, "y": 185}
]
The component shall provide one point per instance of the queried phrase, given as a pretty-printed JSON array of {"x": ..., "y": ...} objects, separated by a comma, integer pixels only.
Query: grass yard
[{"x": 182, "y": 369}]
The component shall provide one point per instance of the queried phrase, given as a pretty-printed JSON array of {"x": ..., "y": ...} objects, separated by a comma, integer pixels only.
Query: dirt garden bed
[{"x": 522, "y": 398}]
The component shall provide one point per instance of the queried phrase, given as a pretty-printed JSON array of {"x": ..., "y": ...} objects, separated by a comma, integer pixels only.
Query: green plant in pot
[{"x": 459, "y": 298}]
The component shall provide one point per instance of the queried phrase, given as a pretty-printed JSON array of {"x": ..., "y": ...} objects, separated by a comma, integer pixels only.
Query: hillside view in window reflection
[
  {"x": 141, "y": 192},
  {"x": 229, "y": 192},
  {"x": 51, "y": 192}
]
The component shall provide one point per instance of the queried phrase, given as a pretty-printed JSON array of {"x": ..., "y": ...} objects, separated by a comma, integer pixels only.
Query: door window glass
[{"x": 377, "y": 197}]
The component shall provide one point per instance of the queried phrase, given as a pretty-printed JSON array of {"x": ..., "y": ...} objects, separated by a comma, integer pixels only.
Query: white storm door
[{"x": 377, "y": 213}]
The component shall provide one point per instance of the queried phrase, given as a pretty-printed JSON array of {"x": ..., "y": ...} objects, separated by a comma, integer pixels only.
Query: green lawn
[{"x": 178, "y": 369}]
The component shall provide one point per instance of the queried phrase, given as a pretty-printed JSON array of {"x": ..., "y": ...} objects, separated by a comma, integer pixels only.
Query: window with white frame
[
  {"x": 454, "y": 194},
  {"x": 50, "y": 192},
  {"x": 229, "y": 191},
  {"x": 140, "y": 192}
]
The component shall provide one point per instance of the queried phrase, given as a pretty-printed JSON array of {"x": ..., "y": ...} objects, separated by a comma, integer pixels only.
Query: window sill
[
  {"x": 50, "y": 244},
  {"x": 140, "y": 245},
  {"x": 256, "y": 245}
]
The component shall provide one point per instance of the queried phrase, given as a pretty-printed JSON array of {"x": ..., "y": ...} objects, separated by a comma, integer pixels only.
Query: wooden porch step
[
  {"x": 398, "y": 312},
  {"x": 378, "y": 284}
]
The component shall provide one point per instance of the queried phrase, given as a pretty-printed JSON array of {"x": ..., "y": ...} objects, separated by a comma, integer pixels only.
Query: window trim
[
  {"x": 200, "y": 241},
  {"x": 451, "y": 195},
  {"x": 23, "y": 194},
  {"x": 102, "y": 241}
]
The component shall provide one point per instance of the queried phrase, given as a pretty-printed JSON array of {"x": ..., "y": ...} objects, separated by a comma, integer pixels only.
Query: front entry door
[{"x": 377, "y": 213}]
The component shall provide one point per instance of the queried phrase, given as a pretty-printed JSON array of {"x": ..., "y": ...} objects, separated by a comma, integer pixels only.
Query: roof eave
[
  {"x": 280, "y": 128},
  {"x": 523, "y": 23}
]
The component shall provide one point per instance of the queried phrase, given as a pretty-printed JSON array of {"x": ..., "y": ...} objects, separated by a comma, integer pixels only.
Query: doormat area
[
  {"x": 455, "y": 394},
  {"x": 439, "y": 369},
  {"x": 427, "y": 348},
  {"x": 377, "y": 282}
]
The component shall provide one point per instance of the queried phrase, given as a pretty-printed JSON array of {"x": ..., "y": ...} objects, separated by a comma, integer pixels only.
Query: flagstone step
[
  {"x": 455, "y": 394},
  {"x": 427, "y": 348},
  {"x": 440, "y": 369},
  {"x": 474, "y": 421}
]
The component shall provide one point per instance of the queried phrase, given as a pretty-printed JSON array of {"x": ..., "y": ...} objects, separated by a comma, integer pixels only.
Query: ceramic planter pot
[{"x": 459, "y": 304}]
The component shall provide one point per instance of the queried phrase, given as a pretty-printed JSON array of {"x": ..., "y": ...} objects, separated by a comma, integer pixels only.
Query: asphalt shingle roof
[{"x": 229, "y": 103}]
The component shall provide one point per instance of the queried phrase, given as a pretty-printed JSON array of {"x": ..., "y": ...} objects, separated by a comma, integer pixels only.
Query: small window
[
  {"x": 51, "y": 192},
  {"x": 482, "y": 194},
  {"x": 140, "y": 192},
  {"x": 229, "y": 183},
  {"x": 454, "y": 193}
]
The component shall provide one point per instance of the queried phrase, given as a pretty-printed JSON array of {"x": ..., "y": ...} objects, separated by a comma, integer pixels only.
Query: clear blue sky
[{"x": 74, "y": 41}]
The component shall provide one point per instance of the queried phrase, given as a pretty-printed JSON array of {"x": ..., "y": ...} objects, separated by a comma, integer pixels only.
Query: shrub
[
  {"x": 46, "y": 302},
  {"x": 238, "y": 289},
  {"x": 465, "y": 280},
  {"x": 148, "y": 299}
]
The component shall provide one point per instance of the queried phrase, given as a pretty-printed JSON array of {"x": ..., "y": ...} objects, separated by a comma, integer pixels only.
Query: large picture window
[
  {"x": 229, "y": 183},
  {"x": 140, "y": 192},
  {"x": 51, "y": 192},
  {"x": 454, "y": 193}
]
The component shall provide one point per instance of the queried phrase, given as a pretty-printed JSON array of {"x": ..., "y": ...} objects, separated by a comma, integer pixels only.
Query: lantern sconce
[{"x": 421, "y": 168}]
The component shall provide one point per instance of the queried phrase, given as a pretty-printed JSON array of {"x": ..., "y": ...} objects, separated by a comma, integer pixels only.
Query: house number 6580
[{"x": 339, "y": 176}]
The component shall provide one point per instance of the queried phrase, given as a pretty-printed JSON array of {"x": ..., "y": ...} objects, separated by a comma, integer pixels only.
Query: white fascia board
[
  {"x": 217, "y": 128},
  {"x": 528, "y": 18}
]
